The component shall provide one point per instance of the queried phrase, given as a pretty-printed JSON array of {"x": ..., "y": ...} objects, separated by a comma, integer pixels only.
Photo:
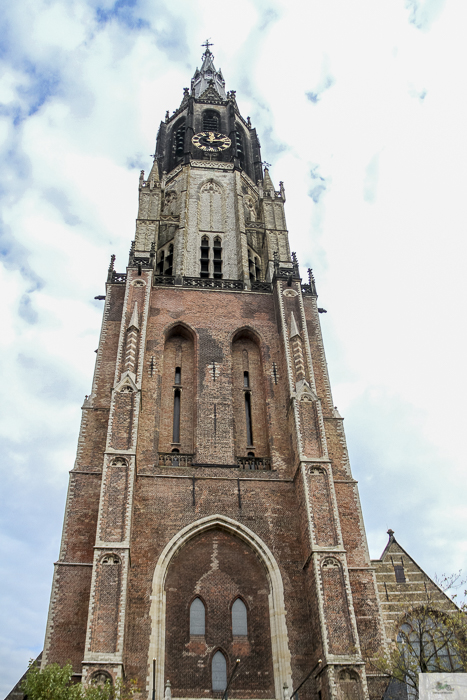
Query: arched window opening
[
  {"x": 219, "y": 671},
  {"x": 246, "y": 380},
  {"x": 197, "y": 617},
  {"x": 204, "y": 260},
  {"x": 239, "y": 618},
  {"x": 179, "y": 140},
  {"x": 178, "y": 375},
  {"x": 210, "y": 121},
  {"x": 176, "y": 421},
  {"x": 249, "y": 426},
  {"x": 217, "y": 250}
]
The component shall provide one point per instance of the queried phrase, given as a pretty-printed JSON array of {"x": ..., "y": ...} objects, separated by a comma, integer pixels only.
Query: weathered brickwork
[
  {"x": 399, "y": 596},
  {"x": 211, "y": 461},
  {"x": 208, "y": 568}
]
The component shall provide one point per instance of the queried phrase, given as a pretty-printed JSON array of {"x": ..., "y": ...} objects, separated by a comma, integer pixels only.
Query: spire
[
  {"x": 267, "y": 182},
  {"x": 208, "y": 76}
]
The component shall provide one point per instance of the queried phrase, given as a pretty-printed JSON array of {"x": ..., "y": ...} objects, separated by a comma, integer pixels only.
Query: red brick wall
[
  {"x": 104, "y": 630},
  {"x": 218, "y": 568},
  {"x": 246, "y": 357},
  {"x": 178, "y": 352}
]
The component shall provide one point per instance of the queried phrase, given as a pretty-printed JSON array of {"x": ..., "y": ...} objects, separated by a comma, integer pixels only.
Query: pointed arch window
[
  {"x": 179, "y": 140},
  {"x": 210, "y": 121},
  {"x": 239, "y": 618},
  {"x": 219, "y": 671},
  {"x": 197, "y": 617}
]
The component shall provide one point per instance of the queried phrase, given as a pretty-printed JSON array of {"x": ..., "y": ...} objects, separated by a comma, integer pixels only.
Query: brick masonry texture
[
  {"x": 214, "y": 338},
  {"x": 208, "y": 568},
  {"x": 233, "y": 350}
]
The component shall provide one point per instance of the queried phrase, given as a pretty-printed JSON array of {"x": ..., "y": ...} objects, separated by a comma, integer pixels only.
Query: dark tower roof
[{"x": 208, "y": 76}]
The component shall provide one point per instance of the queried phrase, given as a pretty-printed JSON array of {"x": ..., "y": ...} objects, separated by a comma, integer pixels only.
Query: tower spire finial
[{"x": 206, "y": 46}]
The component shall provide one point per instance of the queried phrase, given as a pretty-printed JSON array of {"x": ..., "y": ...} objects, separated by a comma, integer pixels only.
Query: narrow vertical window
[
  {"x": 257, "y": 269},
  {"x": 219, "y": 671},
  {"x": 169, "y": 261},
  {"x": 178, "y": 375},
  {"x": 204, "y": 261},
  {"x": 239, "y": 618},
  {"x": 197, "y": 617},
  {"x": 249, "y": 427},
  {"x": 180, "y": 140},
  {"x": 239, "y": 145},
  {"x": 251, "y": 266},
  {"x": 217, "y": 250},
  {"x": 246, "y": 380},
  {"x": 160, "y": 264},
  {"x": 176, "y": 424}
]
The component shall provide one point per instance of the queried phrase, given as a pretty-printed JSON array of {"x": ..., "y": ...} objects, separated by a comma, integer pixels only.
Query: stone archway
[{"x": 279, "y": 640}]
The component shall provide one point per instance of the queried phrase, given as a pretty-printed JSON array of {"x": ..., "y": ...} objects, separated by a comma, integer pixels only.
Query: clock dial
[{"x": 211, "y": 141}]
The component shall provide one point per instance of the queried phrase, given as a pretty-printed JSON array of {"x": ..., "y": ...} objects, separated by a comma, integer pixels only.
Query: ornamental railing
[
  {"x": 174, "y": 459},
  {"x": 118, "y": 277},
  {"x": 210, "y": 283},
  {"x": 262, "y": 463}
]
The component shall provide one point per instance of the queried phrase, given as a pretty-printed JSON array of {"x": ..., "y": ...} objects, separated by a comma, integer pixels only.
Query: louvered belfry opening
[{"x": 210, "y": 121}]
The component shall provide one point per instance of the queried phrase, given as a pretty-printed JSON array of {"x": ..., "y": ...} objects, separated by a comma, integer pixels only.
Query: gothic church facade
[{"x": 212, "y": 514}]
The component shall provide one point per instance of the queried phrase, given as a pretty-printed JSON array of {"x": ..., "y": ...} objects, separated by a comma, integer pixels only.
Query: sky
[{"x": 361, "y": 110}]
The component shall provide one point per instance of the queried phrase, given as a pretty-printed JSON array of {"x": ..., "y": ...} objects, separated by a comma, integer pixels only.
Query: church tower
[{"x": 211, "y": 513}]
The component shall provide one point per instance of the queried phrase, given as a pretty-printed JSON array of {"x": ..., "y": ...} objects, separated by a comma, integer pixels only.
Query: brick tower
[{"x": 211, "y": 513}]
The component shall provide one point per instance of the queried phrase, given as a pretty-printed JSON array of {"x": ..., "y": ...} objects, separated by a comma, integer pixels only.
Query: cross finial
[{"x": 207, "y": 45}]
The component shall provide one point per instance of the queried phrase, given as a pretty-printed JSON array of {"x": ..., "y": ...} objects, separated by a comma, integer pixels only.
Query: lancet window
[
  {"x": 219, "y": 671},
  {"x": 179, "y": 139},
  {"x": 254, "y": 266},
  {"x": 176, "y": 419},
  {"x": 251, "y": 427},
  {"x": 239, "y": 618},
  {"x": 197, "y": 617}
]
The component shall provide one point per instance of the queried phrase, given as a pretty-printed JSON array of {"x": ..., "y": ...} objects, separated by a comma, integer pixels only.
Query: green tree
[
  {"x": 431, "y": 638},
  {"x": 54, "y": 683}
]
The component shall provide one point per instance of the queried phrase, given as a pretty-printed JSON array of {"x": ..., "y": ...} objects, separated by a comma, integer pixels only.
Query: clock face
[{"x": 211, "y": 141}]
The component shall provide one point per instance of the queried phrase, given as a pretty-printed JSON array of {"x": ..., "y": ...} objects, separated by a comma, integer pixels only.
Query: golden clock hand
[{"x": 212, "y": 137}]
